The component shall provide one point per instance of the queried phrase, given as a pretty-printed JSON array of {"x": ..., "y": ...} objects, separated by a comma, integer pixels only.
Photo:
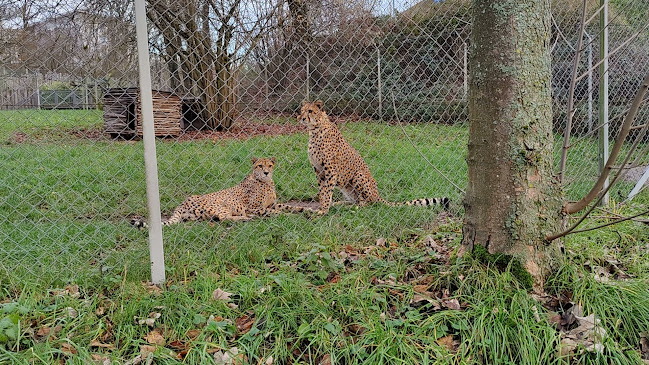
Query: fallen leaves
[
  {"x": 644, "y": 346},
  {"x": 223, "y": 295},
  {"x": 448, "y": 342},
  {"x": 96, "y": 343},
  {"x": 230, "y": 357},
  {"x": 68, "y": 349},
  {"x": 155, "y": 337},
  {"x": 578, "y": 332},
  {"x": 452, "y": 304},
  {"x": 244, "y": 324},
  {"x": 220, "y": 294},
  {"x": 150, "y": 320},
  {"x": 152, "y": 288}
]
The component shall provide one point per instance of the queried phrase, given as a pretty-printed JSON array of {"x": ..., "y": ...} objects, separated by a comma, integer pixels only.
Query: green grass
[{"x": 63, "y": 212}]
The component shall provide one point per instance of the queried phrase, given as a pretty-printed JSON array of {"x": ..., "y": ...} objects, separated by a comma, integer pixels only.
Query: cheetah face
[
  {"x": 310, "y": 113},
  {"x": 263, "y": 168}
]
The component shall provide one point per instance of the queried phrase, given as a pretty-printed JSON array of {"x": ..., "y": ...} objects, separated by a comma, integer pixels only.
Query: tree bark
[{"x": 512, "y": 199}]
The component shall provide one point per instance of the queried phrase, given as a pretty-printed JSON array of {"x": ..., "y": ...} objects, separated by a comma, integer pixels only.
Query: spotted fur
[
  {"x": 337, "y": 164},
  {"x": 254, "y": 196}
]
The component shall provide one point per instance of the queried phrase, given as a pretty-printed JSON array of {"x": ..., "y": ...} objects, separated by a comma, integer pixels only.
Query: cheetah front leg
[{"x": 326, "y": 184}]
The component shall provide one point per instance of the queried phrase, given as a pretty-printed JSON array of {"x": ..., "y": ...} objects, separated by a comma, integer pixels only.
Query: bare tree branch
[
  {"x": 597, "y": 188},
  {"x": 615, "y": 151},
  {"x": 604, "y": 225}
]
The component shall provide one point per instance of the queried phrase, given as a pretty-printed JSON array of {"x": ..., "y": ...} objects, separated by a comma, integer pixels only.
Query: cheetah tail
[
  {"x": 138, "y": 222},
  {"x": 141, "y": 224},
  {"x": 292, "y": 208},
  {"x": 443, "y": 202}
]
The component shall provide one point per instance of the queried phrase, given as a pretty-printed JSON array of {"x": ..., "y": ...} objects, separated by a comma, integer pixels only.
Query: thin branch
[
  {"x": 571, "y": 98},
  {"x": 605, "y": 224},
  {"x": 561, "y": 34},
  {"x": 621, "y": 216},
  {"x": 615, "y": 151},
  {"x": 597, "y": 189},
  {"x": 396, "y": 115},
  {"x": 627, "y": 41}
]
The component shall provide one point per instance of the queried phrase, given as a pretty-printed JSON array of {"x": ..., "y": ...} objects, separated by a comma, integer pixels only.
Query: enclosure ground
[{"x": 375, "y": 284}]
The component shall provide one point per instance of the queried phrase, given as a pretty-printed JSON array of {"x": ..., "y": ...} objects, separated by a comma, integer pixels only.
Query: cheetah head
[
  {"x": 311, "y": 113},
  {"x": 262, "y": 168}
]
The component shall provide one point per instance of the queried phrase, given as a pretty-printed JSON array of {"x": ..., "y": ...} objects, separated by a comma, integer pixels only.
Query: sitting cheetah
[
  {"x": 338, "y": 164},
  {"x": 254, "y": 196}
]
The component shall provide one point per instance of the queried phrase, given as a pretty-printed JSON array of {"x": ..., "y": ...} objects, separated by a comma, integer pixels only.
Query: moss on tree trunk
[{"x": 512, "y": 199}]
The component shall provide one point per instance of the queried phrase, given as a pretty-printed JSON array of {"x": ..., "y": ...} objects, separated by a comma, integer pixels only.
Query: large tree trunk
[{"x": 512, "y": 200}]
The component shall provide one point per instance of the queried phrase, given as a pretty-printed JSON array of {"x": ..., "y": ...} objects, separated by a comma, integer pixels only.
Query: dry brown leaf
[
  {"x": 357, "y": 329},
  {"x": 73, "y": 290},
  {"x": 177, "y": 345},
  {"x": 96, "y": 343},
  {"x": 326, "y": 360},
  {"x": 193, "y": 334},
  {"x": 152, "y": 288},
  {"x": 150, "y": 320},
  {"x": 68, "y": 348},
  {"x": 421, "y": 288},
  {"x": 451, "y": 304},
  {"x": 155, "y": 337},
  {"x": 219, "y": 294},
  {"x": 644, "y": 346},
  {"x": 269, "y": 361},
  {"x": 43, "y": 331},
  {"x": 423, "y": 300},
  {"x": 71, "y": 312},
  {"x": 244, "y": 324},
  {"x": 100, "y": 311},
  {"x": 145, "y": 350},
  {"x": 448, "y": 342},
  {"x": 230, "y": 357},
  {"x": 100, "y": 359}
]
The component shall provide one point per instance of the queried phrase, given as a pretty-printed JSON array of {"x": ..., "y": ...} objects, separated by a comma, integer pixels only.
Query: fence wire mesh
[{"x": 229, "y": 79}]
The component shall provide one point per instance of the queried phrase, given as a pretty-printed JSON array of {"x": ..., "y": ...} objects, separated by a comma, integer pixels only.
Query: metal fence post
[
  {"x": 603, "y": 92},
  {"x": 156, "y": 250}
]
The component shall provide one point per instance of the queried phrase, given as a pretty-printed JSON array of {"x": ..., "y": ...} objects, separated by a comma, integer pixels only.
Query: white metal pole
[
  {"x": 156, "y": 250},
  {"x": 638, "y": 186},
  {"x": 603, "y": 92}
]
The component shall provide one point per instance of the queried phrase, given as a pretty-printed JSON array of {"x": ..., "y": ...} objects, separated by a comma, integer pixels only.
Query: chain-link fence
[{"x": 229, "y": 78}]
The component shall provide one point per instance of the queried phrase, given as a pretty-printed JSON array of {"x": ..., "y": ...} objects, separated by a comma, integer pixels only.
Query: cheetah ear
[
  {"x": 254, "y": 160},
  {"x": 318, "y": 103},
  {"x": 274, "y": 160}
]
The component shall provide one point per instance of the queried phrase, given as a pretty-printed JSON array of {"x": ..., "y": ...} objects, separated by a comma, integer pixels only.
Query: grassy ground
[{"x": 376, "y": 285}]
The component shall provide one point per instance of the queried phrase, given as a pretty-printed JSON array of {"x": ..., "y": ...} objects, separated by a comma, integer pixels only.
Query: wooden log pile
[{"x": 123, "y": 114}]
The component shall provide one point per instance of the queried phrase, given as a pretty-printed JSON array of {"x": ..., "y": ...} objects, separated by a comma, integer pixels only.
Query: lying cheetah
[
  {"x": 254, "y": 196},
  {"x": 338, "y": 164}
]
